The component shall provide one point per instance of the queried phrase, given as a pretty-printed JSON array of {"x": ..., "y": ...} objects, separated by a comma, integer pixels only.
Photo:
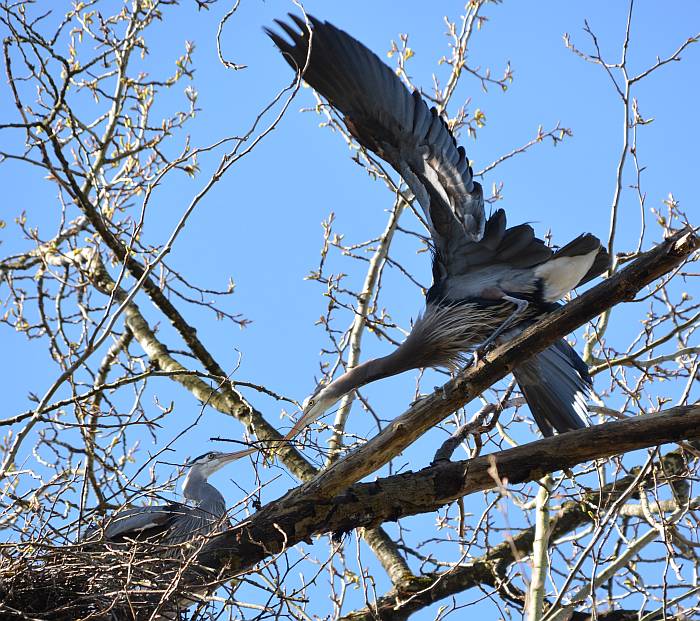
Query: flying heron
[
  {"x": 176, "y": 523},
  {"x": 489, "y": 281}
]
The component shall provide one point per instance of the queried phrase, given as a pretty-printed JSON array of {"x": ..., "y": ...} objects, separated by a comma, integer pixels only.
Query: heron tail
[
  {"x": 556, "y": 386},
  {"x": 576, "y": 263}
]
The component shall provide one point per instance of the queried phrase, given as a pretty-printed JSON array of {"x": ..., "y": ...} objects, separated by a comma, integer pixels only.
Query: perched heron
[
  {"x": 489, "y": 281},
  {"x": 176, "y": 522}
]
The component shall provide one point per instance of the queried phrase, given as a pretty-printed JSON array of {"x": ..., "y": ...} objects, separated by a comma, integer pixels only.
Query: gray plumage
[
  {"x": 489, "y": 281},
  {"x": 175, "y": 523}
]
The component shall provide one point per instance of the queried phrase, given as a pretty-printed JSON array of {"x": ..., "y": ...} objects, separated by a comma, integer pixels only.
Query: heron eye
[{"x": 310, "y": 403}]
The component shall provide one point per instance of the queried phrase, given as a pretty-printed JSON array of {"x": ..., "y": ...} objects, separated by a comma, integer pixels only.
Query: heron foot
[
  {"x": 520, "y": 307},
  {"x": 477, "y": 355},
  {"x": 443, "y": 390}
]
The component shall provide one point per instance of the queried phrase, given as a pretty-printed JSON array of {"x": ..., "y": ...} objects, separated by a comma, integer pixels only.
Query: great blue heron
[
  {"x": 176, "y": 523},
  {"x": 488, "y": 280}
]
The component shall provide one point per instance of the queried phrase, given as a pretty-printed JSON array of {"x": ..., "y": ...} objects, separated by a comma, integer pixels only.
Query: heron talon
[
  {"x": 480, "y": 351},
  {"x": 441, "y": 389}
]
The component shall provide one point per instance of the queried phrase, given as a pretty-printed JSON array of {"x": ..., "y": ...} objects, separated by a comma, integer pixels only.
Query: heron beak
[
  {"x": 308, "y": 416},
  {"x": 305, "y": 420},
  {"x": 229, "y": 457}
]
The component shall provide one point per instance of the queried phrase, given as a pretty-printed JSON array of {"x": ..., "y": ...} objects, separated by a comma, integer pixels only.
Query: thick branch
[
  {"x": 299, "y": 515},
  {"x": 490, "y": 568}
]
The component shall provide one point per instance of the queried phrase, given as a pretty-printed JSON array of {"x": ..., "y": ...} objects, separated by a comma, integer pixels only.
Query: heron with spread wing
[
  {"x": 489, "y": 281},
  {"x": 176, "y": 523}
]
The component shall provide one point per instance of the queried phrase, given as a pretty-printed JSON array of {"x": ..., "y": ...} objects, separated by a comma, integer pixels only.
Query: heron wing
[
  {"x": 397, "y": 125},
  {"x": 556, "y": 386},
  {"x": 143, "y": 522}
]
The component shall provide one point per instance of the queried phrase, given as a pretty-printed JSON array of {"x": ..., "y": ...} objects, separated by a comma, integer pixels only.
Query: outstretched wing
[{"x": 397, "y": 125}]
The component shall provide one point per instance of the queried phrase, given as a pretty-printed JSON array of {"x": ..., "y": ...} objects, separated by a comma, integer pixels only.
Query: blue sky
[{"x": 262, "y": 224}]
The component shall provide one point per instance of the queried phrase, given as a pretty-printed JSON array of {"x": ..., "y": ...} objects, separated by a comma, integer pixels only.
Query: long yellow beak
[
  {"x": 238, "y": 455},
  {"x": 306, "y": 419},
  {"x": 298, "y": 426}
]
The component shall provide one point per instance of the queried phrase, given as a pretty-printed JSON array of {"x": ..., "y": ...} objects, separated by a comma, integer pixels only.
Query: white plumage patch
[{"x": 561, "y": 275}]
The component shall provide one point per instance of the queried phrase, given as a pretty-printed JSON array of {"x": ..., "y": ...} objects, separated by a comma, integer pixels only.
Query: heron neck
[
  {"x": 370, "y": 371},
  {"x": 197, "y": 489}
]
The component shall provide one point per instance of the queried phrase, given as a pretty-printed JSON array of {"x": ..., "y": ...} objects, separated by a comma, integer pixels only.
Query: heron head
[{"x": 208, "y": 463}]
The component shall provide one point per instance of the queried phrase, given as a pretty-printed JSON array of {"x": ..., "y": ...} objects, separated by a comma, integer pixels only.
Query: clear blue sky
[{"x": 261, "y": 224}]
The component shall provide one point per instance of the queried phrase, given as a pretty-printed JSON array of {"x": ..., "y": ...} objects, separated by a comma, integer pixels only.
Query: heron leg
[{"x": 520, "y": 307}]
